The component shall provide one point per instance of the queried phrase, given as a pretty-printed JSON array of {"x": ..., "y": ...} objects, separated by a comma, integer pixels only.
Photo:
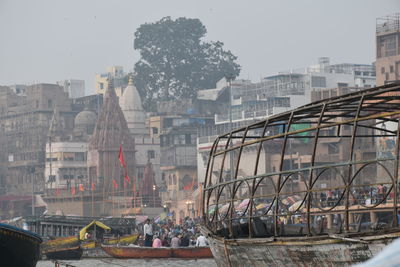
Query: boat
[
  {"x": 93, "y": 249},
  {"x": 314, "y": 186},
  {"x": 18, "y": 247},
  {"x": 192, "y": 253},
  {"x": 122, "y": 240},
  {"x": 61, "y": 242},
  {"x": 69, "y": 253},
  {"x": 136, "y": 252}
]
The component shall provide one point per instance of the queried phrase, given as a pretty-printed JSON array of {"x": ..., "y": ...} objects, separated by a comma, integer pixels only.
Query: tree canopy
[{"x": 175, "y": 63}]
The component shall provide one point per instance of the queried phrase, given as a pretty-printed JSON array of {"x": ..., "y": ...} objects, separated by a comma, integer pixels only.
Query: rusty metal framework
[{"x": 327, "y": 167}]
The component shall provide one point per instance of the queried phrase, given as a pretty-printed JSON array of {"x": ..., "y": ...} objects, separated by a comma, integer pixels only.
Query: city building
[
  {"x": 243, "y": 102},
  {"x": 25, "y": 119},
  {"x": 178, "y": 135},
  {"x": 118, "y": 76},
  {"x": 388, "y": 49},
  {"x": 74, "y": 88}
]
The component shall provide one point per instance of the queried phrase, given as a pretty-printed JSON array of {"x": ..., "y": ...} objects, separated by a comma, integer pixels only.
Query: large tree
[{"x": 175, "y": 63}]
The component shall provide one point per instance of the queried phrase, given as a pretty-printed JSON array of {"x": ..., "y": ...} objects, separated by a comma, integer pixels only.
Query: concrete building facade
[
  {"x": 388, "y": 49},
  {"x": 74, "y": 88}
]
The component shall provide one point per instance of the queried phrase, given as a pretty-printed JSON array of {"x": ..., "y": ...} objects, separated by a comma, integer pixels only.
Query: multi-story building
[
  {"x": 243, "y": 102},
  {"x": 25, "y": 119},
  {"x": 178, "y": 134},
  {"x": 74, "y": 88},
  {"x": 388, "y": 49},
  {"x": 117, "y": 74}
]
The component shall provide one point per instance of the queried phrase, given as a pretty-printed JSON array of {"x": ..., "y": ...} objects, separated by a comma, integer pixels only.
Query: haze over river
[{"x": 132, "y": 262}]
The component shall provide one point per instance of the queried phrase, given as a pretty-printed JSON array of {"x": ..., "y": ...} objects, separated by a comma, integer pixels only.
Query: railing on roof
[{"x": 389, "y": 23}]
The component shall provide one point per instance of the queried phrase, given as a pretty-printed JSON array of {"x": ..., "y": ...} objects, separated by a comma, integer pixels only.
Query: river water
[{"x": 132, "y": 262}]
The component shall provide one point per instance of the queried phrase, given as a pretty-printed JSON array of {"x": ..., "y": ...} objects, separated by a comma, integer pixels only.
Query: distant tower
[
  {"x": 110, "y": 133},
  {"x": 148, "y": 191},
  {"x": 388, "y": 49}
]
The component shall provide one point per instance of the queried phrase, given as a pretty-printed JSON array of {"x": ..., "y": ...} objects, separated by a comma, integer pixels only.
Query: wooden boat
[
  {"x": 247, "y": 218},
  {"x": 74, "y": 253},
  {"x": 61, "y": 242},
  {"x": 18, "y": 247},
  {"x": 151, "y": 253},
  {"x": 192, "y": 253},
  {"x": 93, "y": 250},
  {"x": 123, "y": 240}
]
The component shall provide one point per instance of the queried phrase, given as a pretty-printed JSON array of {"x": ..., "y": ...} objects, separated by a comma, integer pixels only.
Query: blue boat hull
[{"x": 18, "y": 247}]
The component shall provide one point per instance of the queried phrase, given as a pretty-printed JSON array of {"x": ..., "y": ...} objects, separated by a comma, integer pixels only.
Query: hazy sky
[{"x": 50, "y": 40}]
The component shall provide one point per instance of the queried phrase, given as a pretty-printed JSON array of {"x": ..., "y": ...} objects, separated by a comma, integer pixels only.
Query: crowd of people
[{"x": 167, "y": 234}]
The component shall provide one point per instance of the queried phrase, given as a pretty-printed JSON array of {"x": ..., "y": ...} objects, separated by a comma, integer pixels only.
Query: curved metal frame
[{"x": 374, "y": 106}]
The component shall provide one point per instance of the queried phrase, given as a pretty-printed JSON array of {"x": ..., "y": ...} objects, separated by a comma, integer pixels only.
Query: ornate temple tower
[
  {"x": 104, "y": 167},
  {"x": 148, "y": 191}
]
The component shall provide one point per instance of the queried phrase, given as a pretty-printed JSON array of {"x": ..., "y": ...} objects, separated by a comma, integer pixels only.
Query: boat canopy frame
[{"x": 349, "y": 146}]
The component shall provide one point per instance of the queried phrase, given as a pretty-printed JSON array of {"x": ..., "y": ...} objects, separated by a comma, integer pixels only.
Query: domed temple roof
[{"x": 85, "y": 118}]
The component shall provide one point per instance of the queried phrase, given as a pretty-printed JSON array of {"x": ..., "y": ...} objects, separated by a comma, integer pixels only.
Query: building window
[
  {"x": 390, "y": 46},
  {"x": 382, "y": 70},
  {"x": 101, "y": 86},
  {"x": 49, "y": 103},
  {"x": 80, "y": 156},
  {"x": 391, "y": 69},
  {"x": 151, "y": 154},
  {"x": 154, "y": 130},
  {"x": 318, "y": 81}
]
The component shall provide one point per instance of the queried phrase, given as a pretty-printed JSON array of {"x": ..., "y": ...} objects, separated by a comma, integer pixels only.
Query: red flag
[
  {"x": 93, "y": 187},
  {"x": 121, "y": 157},
  {"x": 126, "y": 178},
  {"x": 58, "y": 191},
  {"x": 115, "y": 184},
  {"x": 73, "y": 190},
  {"x": 81, "y": 188}
]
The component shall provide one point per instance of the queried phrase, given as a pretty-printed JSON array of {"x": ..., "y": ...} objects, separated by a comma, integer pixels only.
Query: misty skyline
[{"x": 47, "y": 41}]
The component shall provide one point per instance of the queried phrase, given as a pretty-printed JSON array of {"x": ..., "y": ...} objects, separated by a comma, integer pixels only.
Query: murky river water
[{"x": 133, "y": 262}]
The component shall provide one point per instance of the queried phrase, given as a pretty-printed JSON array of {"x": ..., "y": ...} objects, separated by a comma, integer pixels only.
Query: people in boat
[
  {"x": 164, "y": 241},
  {"x": 201, "y": 241},
  {"x": 157, "y": 242},
  {"x": 185, "y": 241},
  {"x": 87, "y": 236},
  {"x": 148, "y": 232},
  {"x": 175, "y": 242}
]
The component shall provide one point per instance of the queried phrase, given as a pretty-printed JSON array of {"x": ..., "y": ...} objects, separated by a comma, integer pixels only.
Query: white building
[
  {"x": 65, "y": 164},
  {"x": 66, "y": 160},
  {"x": 74, "y": 88},
  {"x": 147, "y": 148}
]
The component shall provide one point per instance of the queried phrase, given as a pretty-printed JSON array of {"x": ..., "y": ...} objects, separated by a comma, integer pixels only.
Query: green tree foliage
[{"x": 175, "y": 63}]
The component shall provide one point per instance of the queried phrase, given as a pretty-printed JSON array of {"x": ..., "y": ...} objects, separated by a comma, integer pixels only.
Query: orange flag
[
  {"x": 73, "y": 190},
  {"x": 121, "y": 157},
  {"x": 81, "y": 188},
  {"x": 93, "y": 187}
]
